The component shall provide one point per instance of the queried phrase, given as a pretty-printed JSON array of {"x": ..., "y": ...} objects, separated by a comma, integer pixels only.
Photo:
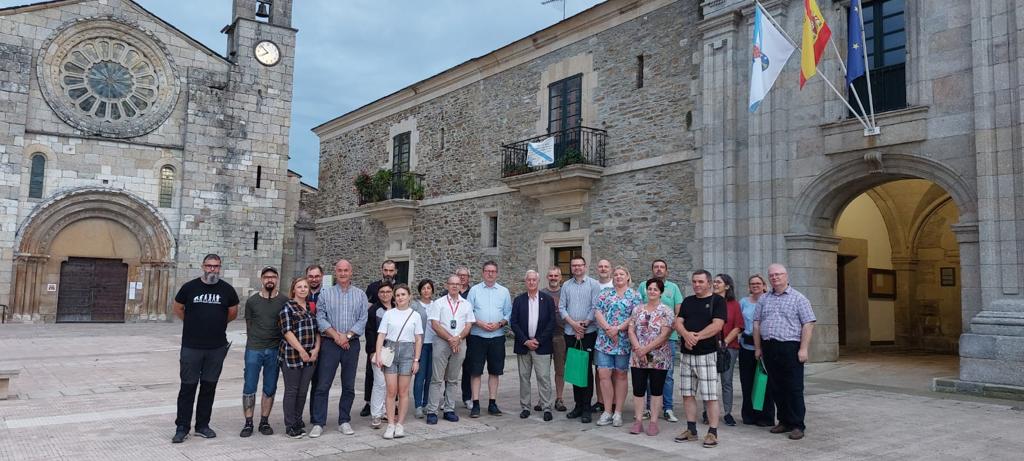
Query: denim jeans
[
  {"x": 421, "y": 383},
  {"x": 265, "y": 359},
  {"x": 331, "y": 358}
]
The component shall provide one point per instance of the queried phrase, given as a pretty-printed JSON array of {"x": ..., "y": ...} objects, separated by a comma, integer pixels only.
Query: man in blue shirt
[{"x": 492, "y": 307}]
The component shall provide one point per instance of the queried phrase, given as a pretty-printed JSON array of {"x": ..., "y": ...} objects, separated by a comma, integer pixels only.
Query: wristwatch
[{"x": 349, "y": 335}]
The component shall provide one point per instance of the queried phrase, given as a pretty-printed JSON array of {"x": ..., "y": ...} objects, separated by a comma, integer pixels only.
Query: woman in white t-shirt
[{"x": 401, "y": 329}]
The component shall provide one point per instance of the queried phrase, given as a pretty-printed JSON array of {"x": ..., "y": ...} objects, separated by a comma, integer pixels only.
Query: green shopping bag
[
  {"x": 760, "y": 386},
  {"x": 577, "y": 365}
]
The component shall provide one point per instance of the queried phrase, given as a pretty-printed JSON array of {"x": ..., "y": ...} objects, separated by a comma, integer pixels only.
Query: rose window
[{"x": 108, "y": 79}]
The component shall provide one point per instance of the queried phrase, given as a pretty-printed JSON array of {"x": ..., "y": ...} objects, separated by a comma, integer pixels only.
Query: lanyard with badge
[{"x": 454, "y": 310}]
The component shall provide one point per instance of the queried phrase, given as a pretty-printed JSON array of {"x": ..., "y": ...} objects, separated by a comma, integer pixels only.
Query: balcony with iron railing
[
  {"x": 574, "y": 146},
  {"x": 391, "y": 198},
  {"x": 563, "y": 187}
]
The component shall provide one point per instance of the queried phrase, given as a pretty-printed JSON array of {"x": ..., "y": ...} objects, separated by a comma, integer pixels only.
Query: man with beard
[
  {"x": 554, "y": 290},
  {"x": 205, "y": 305},
  {"x": 315, "y": 278},
  {"x": 604, "y": 279},
  {"x": 261, "y": 347},
  {"x": 388, "y": 270}
]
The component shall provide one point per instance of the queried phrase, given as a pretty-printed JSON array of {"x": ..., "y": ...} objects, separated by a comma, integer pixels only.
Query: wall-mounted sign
[{"x": 51, "y": 287}]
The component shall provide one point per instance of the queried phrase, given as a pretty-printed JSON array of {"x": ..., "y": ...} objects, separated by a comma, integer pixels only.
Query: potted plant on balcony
[
  {"x": 373, "y": 188},
  {"x": 571, "y": 156}
]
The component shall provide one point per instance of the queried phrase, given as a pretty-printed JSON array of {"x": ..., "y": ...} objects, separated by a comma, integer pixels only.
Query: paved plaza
[{"x": 108, "y": 392}]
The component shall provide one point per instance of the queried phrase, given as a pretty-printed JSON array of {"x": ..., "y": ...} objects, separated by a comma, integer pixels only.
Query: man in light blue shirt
[
  {"x": 492, "y": 307},
  {"x": 576, "y": 306}
]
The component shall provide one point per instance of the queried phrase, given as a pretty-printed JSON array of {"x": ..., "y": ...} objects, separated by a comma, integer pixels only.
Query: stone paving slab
[{"x": 108, "y": 392}]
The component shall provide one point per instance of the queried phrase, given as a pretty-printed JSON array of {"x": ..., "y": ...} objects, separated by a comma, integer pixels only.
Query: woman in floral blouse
[
  {"x": 297, "y": 354},
  {"x": 650, "y": 327},
  {"x": 612, "y": 309}
]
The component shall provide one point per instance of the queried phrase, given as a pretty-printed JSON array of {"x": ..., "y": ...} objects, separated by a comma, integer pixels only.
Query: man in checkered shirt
[{"x": 783, "y": 323}]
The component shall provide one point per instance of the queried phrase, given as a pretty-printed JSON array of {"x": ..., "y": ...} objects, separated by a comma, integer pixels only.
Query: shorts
[
  {"x": 618, "y": 362},
  {"x": 255, "y": 360},
  {"x": 698, "y": 376},
  {"x": 405, "y": 352},
  {"x": 489, "y": 350},
  {"x": 558, "y": 354}
]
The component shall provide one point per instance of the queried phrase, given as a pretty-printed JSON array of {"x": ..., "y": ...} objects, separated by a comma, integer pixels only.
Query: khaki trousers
[
  {"x": 447, "y": 369},
  {"x": 541, "y": 364}
]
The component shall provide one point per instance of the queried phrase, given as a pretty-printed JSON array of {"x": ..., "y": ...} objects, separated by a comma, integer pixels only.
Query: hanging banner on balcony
[{"x": 541, "y": 153}]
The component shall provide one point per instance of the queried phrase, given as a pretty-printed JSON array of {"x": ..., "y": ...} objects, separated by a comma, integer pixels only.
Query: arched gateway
[
  {"x": 93, "y": 254},
  {"x": 812, "y": 246}
]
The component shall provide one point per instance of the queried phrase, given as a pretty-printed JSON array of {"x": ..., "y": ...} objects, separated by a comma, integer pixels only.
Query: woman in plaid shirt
[{"x": 298, "y": 353}]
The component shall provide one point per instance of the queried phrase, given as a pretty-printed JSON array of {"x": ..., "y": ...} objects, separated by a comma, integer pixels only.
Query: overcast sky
[{"x": 351, "y": 52}]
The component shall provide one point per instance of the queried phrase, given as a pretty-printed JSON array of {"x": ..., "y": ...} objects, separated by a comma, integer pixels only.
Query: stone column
[
  {"x": 156, "y": 277},
  {"x": 28, "y": 277},
  {"x": 811, "y": 262},
  {"x": 906, "y": 318}
]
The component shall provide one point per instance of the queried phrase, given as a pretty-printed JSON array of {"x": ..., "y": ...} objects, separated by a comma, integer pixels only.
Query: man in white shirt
[
  {"x": 451, "y": 317},
  {"x": 604, "y": 273}
]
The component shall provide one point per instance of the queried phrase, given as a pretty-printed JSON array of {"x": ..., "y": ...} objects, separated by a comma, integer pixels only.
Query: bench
[{"x": 5, "y": 381}]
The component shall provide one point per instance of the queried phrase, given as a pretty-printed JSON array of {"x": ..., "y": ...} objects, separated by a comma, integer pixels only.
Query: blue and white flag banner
[
  {"x": 770, "y": 53},
  {"x": 541, "y": 153}
]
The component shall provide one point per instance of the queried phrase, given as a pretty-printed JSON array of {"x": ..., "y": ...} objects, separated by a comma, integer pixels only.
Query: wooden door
[{"x": 92, "y": 290}]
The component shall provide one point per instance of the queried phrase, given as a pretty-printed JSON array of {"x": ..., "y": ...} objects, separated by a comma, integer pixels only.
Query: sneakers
[
  {"x": 180, "y": 434},
  {"x": 432, "y": 418},
  {"x": 246, "y": 431},
  {"x": 419, "y": 412},
  {"x": 597, "y": 407},
  {"x": 729, "y": 420},
  {"x": 670, "y": 416},
  {"x": 524, "y": 414},
  {"x": 537, "y": 407},
  {"x": 375, "y": 422},
  {"x": 399, "y": 431},
  {"x": 638, "y": 427},
  {"x": 295, "y": 433},
  {"x": 575, "y": 413},
  {"x": 686, "y": 436},
  {"x": 548, "y": 416},
  {"x": 647, "y": 414},
  {"x": 205, "y": 432},
  {"x": 365, "y": 411},
  {"x": 389, "y": 433},
  {"x": 605, "y": 419},
  {"x": 451, "y": 416},
  {"x": 493, "y": 409},
  {"x": 560, "y": 405},
  {"x": 316, "y": 431},
  {"x": 265, "y": 429},
  {"x": 346, "y": 428},
  {"x": 585, "y": 417},
  {"x": 710, "y": 440},
  {"x": 474, "y": 410},
  {"x": 617, "y": 420},
  {"x": 468, "y": 404},
  {"x": 652, "y": 429}
]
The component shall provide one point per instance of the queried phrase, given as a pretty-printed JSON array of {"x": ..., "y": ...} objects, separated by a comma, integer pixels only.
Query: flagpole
[
  {"x": 823, "y": 77},
  {"x": 845, "y": 73},
  {"x": 867, "y": 68}
]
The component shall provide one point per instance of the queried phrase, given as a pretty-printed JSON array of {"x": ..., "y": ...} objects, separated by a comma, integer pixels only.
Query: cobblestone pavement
[{"x": 108, "y": 392}]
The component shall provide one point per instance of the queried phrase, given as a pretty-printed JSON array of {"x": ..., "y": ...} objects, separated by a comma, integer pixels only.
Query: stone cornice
[{"x": 602, "y": 17}]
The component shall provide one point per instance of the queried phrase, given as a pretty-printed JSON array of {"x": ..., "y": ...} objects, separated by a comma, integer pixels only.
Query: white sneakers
[
  {"x": 605, "y": 419},
  {"x": 399, "y": 431},
  {"x": 419, "y": 412},
  {"x": 617, "y": 420},
  {"x": 670, "y": 416},
  {"x": 346, "y": 429},
  {"x": 316, "y": 431},
  {"x": 389, "y": 433}
]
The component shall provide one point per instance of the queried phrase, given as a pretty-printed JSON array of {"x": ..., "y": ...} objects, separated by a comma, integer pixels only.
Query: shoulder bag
[{"x": 387, "y": 353}]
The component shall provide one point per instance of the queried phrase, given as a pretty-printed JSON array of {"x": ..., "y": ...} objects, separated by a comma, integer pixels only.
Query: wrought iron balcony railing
[{"x": 572, "y": 146}]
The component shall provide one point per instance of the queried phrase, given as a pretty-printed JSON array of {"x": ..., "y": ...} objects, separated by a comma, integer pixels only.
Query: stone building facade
[
  {"x": 129, "y": 150},
  {"x": 689, "y": 175}
]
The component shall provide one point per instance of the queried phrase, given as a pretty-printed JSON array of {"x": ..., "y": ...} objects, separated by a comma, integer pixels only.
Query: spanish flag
[{"x": 816, "y": 35}]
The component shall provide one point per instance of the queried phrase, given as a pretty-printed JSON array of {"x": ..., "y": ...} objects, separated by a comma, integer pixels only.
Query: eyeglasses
[{"x": 212, "y": 266}]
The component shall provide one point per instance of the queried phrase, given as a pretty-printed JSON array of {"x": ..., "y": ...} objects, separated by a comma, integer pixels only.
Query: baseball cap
[{"x": 269, "y": 269}]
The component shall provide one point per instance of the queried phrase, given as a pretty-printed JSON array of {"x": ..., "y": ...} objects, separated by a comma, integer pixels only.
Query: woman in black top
[{"x": 375, "y": 407}]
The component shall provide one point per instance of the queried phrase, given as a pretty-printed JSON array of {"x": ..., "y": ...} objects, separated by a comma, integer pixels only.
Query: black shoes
[
  {"x": 493, "y": 409},
  {"x": 536, "y": 408},
  {"x": 205, "y": 432},
  {"x": 597, "y": 408},
  {"x": 729, "y": 420},
  {"x": 180, "y": 435},
  {"x": 295, "y": 432},
  {"x": 547, "y": 416},
  {"x": 575, "y": 413},
  {"x": 704, "y": 417},
  {"x": 365, "y": 411},
  {"x": 585, "y": 417},
  {"x": 265, "y": 429},
  {"x": 524, "y": 414},
  {"x": 474, "y": 412},
  {"x": 246, "y": 431}
]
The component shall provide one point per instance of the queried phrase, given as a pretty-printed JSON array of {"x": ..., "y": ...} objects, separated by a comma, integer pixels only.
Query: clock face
[{"x": 267, "y": 53}]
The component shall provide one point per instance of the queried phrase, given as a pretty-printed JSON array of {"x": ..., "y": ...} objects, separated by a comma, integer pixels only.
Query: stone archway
[
  {"x": 812, "y": 246},
  {"x": 38, "y": 231}
]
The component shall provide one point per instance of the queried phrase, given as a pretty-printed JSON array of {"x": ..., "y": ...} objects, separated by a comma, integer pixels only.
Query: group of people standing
[{"x": 629, "y": 331}]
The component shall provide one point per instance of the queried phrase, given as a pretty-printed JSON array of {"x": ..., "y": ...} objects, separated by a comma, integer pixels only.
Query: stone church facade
[
  {"x": 128, "y": 150},
  {"x": 657, "y": 156}
]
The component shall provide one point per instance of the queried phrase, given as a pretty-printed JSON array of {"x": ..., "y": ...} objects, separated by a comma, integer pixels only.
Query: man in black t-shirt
[
  {"x": 205, "y": 305},
  {"x": 700, "y": 319}
]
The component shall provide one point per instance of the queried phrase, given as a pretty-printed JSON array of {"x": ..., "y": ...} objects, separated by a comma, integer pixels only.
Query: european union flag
[{"x": 854, "y": 44}]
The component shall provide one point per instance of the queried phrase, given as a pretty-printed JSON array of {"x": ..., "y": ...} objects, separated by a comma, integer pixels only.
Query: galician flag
[
  {"x": 816, "y": 35},
  {"x": 540, "y": 153},
  {"x": 771, "y": 52}
]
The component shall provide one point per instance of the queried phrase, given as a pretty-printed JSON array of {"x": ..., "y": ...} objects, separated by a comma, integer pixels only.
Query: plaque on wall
[
  {"x": 947, "y": 276},
  {"x": 881, "y": 284}
]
